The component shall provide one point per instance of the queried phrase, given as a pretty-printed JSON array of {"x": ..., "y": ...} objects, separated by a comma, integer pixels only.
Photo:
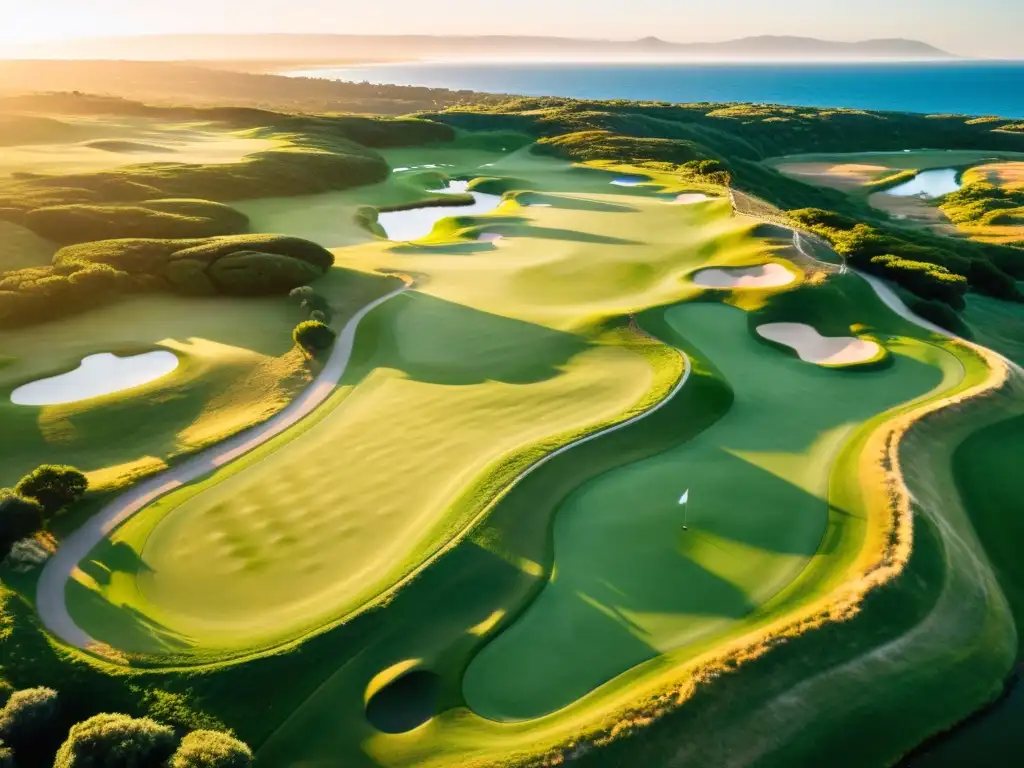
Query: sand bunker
[
  {"x": 762, "y": 276},
  {"x": 416, "y": 223},
  {"x": 488, "y": 237},
  {"x": 689, "y": 198},
  {"x": 97, "y": 375},
  {"x": 843, "y": 176},
  {"x": 812, "y": 347}
]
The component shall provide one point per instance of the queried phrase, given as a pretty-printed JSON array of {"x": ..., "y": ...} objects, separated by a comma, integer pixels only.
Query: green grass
[
  {"x": 636, "y": 585},
  {"x": 453, "y": 351},
  {"x": 238, "y": 367},
  {"x": 997, "y": 324},
  {"x": 369, "y": 540}
]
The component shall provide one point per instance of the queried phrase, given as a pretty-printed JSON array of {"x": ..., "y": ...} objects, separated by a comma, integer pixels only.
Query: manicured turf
[
  {"x": 497, "y": 348},
  {"x": 239, "y": 366},
  {"x": 634, "y": 584},
  {"x": 576, "y": 580}
]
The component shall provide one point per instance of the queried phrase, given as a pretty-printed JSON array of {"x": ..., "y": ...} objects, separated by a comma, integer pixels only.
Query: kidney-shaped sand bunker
[{"x": 769, "y": 275}]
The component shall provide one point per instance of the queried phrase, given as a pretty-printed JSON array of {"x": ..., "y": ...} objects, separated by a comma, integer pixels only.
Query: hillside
[{"x": 334, "y": 48}]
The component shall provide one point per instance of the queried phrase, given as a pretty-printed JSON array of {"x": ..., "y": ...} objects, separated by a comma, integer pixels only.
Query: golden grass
[
  {"x": 1009, "y": 175},
  {"x": 842, "y": 176},
  {"x": 118, "y": 142}
]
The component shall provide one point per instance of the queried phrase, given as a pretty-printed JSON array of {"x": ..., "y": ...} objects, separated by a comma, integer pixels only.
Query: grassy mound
[
  {"x": 88, "y": 275},
  {"x": 242, "y": 264},
  {"x": 170, "y": 219}
]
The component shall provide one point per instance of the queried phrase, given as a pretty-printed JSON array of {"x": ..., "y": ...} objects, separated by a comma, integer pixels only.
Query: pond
[
  {"x": 97, "y": 375},
  {"x": 928, "y": 184},
  {"x": 417, "y": 223},
  {"x": 629, "y": 181}
]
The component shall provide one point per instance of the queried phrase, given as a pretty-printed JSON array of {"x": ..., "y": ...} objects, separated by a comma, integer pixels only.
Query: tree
[
  {"x": 28, "y": 718},
  {"x": 313, "y": 336},
  {"x": 116, "y": 741},
  {"x": 54, "y": 486},
  {"x": 20, "y": 517},
  {"x": 6, "y": 756},
  {"x": 211, "y": 749}
]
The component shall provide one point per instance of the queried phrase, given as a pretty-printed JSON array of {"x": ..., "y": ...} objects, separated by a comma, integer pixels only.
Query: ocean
[{"x": 972, "y": 87}]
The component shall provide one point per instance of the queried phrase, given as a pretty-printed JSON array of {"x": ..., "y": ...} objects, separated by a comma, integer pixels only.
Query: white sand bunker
[
  {"x": 689, "y": 198},
  {"x": 488, "y": 237},
  {"x": 629, "y": 181},
  {"x": 762, "y": 276},
  {"x": 812, "y": 347},
  {"x": 97, "y": 375}
]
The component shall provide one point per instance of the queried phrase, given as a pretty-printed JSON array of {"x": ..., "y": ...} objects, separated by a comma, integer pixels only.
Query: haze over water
[{"x": 975, "y": 88}]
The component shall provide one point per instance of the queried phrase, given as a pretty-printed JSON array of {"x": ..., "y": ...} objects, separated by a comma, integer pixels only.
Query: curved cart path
[{"x": 50, "y": 602}]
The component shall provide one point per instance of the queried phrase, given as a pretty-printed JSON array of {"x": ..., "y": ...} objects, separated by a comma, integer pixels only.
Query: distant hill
[{"x": 341, "y": 48}]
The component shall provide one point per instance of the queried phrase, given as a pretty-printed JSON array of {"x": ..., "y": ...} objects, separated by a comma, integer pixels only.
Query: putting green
[
  {"x": 503, "y": 353},
  {"x": 539, "y": 610},
  {"x": 631, "y": 581}
]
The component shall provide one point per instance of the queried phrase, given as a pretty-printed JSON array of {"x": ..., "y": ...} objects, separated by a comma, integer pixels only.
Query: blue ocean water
[{"x": 973, "y": 88}]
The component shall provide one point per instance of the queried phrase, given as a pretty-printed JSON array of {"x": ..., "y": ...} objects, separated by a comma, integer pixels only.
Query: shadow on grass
[
  {"x": 441, "y": 342},
  {"x": 121, "y": 626},
  {"x": 571, "y": 203}
]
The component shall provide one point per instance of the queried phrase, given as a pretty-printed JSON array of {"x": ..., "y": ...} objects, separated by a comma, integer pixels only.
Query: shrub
[
  {"x": 941, "y": 314},
  {"x": 318, "y": 316},
  {"x": 170, "y": 219},
  {"x": 28, "y": 718},
  {"x": 116, "y": 741},
  {"x": 54, "y": 486},
  {"x": 20, "y": 517},
  {"x": 929, "y": 281},
  {"x": 987, "y": 278},
  {"x": 6, "y": 756},
  {"x": 211, "y": 749},
  {"x": 313, "y": 336},
  {"x": 254, "y": 273}
]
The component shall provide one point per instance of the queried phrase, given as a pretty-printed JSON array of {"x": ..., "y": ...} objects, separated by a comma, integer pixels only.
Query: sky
[{"x": 986, "y": 28}]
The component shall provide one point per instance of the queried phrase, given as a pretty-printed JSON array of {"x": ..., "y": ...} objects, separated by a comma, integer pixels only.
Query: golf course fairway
[
  {"x": 546, "y": 493},
  {"x": 635, "y": 584}
]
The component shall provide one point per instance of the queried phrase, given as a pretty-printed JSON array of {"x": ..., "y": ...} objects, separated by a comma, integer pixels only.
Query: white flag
[{"x": 685, "y": 497}]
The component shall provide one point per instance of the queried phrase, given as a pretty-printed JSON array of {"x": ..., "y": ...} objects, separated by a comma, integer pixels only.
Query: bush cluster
[
  {"x": 931, "y": 273},
  {"x": 313, "y": 337},
  {"x": 33, "y": 728},
  {"x": 167, "y": 219},
  {"x": 983, "y": 203},
  {"x": 317, "y": 306},
  {"x": 86, "y": 275},
  {"x": 43, "y": 493}
]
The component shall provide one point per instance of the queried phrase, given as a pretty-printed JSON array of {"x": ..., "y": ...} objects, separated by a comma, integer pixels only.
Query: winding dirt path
[{"x": 50, "y": 602}]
